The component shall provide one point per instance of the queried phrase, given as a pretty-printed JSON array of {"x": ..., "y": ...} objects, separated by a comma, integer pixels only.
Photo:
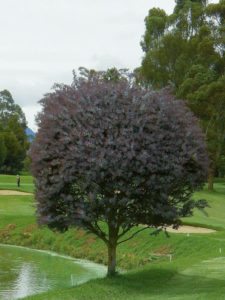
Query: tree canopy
[
  {"x": 13, "y": 140},
  {"x": 186, "y": 50},
  {"x": 110, "y": 152}
]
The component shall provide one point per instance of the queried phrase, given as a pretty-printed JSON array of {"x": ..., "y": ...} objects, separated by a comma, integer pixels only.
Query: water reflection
[
  {"x": 25, "y": 272},
  {"x": 27, "y": 283}
]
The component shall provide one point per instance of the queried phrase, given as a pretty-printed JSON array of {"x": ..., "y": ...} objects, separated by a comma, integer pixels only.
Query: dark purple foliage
[{"x": 115, "y": 152}]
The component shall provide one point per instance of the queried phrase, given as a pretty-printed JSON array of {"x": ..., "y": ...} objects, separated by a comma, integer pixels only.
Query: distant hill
[{"x": 30, "y": 134}]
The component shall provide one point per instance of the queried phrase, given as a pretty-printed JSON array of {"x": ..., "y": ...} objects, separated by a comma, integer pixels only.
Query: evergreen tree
[
  {"x": 188, "y": 53},
  {"x": 13, "y": 137}
]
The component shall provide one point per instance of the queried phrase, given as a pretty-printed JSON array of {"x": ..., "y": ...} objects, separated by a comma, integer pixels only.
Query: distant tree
[
  {"x": 111, "y": 152},
  {"x": 27, "y": 164},
  {"x": 186, "y": 50},
  {"x": 112, "y": 74},
  {"x": 13, "y": 162},
  {"x": 13, "y": 125},
  {"x": 206, "y": 97},
  {"x": 9, "y": 109},
  {"x": 3, "y": 150}
]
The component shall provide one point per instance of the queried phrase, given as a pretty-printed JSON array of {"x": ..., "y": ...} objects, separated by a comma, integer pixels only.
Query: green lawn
[
  {"x": 155, "y": 283},
  {"x": 216, "y": 211},
  {"x": 16, "y": 206},
  {"x": 8, "y": 182},
  {"x": 197, "y": 269}
]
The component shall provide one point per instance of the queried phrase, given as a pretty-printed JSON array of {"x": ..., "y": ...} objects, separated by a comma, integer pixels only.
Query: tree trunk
[
  {"x": 210, "y": 179},
  {"x": 111, "y": 259}
]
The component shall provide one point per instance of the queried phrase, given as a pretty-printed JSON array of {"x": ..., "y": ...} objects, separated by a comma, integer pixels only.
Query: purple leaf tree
[{"x": 110, "y": 155}]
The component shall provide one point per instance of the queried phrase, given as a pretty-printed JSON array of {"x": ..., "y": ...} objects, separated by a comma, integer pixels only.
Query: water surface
[{"x": 24, "y": 271}]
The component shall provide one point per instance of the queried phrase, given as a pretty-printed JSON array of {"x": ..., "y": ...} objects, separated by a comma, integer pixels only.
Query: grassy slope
[
  {"x": 216, "y": 211},
  {"x": 152, "y": 275}
]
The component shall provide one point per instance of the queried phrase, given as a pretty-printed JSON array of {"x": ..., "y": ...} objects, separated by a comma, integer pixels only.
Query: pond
[{"x": 24, "y": 271}]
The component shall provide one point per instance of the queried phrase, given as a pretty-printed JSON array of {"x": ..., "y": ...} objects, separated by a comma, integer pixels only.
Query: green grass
[
  {"x": 8, "y": 182},
  {"x": 197, "y": 269},
  {"x": 16, "y": 206},
  {"x": 155, "y": 283},
  {"x": 216, "y": 211}
]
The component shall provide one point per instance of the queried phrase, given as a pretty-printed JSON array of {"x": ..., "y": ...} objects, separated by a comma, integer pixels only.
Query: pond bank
[{"x": 26, "y": 272}]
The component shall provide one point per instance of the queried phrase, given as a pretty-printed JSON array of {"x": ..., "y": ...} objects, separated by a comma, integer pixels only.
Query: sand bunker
[
  {"x": 190, "y": 229},
  {"x": 13, "y": 193}
]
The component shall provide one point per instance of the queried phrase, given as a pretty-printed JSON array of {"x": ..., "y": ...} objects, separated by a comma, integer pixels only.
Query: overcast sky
[{"x": 42, "y": 41}]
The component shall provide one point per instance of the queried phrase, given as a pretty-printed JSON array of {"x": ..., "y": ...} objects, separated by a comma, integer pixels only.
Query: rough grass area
[{"x": 195, "y": 271}]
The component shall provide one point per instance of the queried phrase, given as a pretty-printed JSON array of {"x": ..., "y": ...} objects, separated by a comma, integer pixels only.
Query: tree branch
[
  {"x": 124, "y": 231},
  {"x": 142, "y": 229},
  {"x": 97, "y": 230}
]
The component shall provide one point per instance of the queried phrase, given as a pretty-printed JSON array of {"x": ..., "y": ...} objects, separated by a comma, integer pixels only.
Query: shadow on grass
[
  {"x": 159, "y": 284},
  {"x": 154, "y": 283}
]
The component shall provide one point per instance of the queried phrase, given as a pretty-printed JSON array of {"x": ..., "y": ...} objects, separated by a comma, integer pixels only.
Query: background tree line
[
  {"x": 186, "y": 50},
  {"x": 13, "y": 138}
]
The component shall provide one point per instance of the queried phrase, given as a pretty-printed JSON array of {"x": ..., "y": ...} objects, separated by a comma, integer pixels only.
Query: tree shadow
[{"x": 162, "y": 283}]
